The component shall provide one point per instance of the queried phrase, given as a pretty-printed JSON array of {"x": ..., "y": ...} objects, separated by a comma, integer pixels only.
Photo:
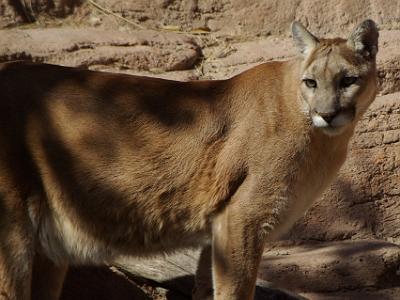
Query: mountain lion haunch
[{"x": 96, "y": 165}]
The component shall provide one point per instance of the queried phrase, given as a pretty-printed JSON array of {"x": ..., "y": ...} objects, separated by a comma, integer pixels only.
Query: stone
[
  {"x": 96, "y": 48},
  {"x": 331, "y": 266}
]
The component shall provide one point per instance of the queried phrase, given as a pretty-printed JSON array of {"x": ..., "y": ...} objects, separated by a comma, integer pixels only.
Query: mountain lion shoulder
[{"x": 97, "y": 165}]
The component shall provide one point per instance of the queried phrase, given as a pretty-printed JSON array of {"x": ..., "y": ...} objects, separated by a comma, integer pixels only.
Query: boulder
[
  {"x": 332, "y": 266},
  {"x": 97, "y": 49}
]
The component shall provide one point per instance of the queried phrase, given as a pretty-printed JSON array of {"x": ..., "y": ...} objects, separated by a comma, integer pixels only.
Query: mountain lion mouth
[{"x": 338, "y": 121}]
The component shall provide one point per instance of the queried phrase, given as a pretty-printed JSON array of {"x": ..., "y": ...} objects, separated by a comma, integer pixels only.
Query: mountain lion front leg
[
  {"x": 238, "y": 243},
  {"x": 203, "y": 289},
  {"x": 16, "y": 248}
]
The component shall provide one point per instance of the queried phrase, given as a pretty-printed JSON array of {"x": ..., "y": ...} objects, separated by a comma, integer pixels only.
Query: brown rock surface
[
  {"x": 15, "y": 12},
  {"x": 384, "y": 294},
  {"x": 389, "y": 61},
  {"x": 332, "y": 266},
  {"x": 237, "y": 17},
  {"x": 175, "y": 272},
  {"x": 140, "y": 51}
]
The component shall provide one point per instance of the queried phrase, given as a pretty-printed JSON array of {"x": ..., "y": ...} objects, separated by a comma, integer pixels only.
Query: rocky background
[{"x": 347, "y": 245}]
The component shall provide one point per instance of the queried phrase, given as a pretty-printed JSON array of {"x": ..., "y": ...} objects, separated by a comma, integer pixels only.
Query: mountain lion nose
[{"x": 328, "y": 117}]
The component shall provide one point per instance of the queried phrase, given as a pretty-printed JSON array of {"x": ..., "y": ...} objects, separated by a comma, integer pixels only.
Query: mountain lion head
[{"x": 337, "y": 75}]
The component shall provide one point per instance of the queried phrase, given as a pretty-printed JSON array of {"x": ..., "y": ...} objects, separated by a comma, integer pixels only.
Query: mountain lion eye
[
  {"x": 348, "y": 81},
  {"x": 311, "y": 83}
]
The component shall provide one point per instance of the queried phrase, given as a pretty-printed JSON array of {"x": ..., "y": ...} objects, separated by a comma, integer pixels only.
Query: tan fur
[{"x": 96, "y": 165}]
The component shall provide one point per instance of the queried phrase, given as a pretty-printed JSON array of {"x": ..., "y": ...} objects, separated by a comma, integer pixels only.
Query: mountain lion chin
[
  {"x": 337, "y": 126},
  {"x": 333, "y": 131}
]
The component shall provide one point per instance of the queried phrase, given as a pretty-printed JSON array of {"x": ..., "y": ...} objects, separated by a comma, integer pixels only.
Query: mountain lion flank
[{"x": 96, "y": 165}]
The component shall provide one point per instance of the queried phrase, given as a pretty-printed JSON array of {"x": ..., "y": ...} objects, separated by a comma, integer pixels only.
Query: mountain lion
[{"x": 96, "y": 165}]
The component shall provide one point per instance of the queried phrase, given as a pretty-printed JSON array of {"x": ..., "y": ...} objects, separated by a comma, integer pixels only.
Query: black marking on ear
[{"x": 364, "y": 39}]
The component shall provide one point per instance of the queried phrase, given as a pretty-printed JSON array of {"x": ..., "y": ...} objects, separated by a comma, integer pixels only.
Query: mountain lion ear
[
  {"x": 364, "y": 39},
  {"x": 303, "y": 39}
]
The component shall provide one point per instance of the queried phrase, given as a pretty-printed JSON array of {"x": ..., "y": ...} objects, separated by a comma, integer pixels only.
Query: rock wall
[{"x": 234, "y": 17}]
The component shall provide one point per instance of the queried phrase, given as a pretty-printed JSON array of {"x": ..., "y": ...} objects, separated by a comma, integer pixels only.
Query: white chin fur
[
  {"x": 339, "y": 121},
  {"x": 319, "y": 122}
]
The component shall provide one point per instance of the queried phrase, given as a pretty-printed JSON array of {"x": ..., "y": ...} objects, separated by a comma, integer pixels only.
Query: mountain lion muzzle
[{"x": 96, "y": 165}]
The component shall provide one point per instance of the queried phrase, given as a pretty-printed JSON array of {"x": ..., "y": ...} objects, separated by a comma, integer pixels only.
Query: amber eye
[
  {"x": 348, "y": 81},
  {"x": 310, "y": 83}
]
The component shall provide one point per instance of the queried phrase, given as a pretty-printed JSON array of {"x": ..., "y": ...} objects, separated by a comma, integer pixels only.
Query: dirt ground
[{"x": 347, "y": 245}]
